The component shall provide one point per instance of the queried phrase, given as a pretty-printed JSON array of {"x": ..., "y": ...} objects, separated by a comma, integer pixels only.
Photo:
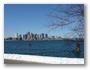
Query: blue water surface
[{"x": 52, "y": 48}]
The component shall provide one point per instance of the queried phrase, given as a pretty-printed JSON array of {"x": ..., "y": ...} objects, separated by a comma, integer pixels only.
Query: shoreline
[{"x": 32, "y": 59}]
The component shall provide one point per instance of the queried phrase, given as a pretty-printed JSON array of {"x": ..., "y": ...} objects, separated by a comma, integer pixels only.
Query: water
[{"x": 51, "y": 48}]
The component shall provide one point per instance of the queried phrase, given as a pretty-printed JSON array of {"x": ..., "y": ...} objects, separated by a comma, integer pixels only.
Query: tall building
[
  {"x": 16, "y": 35},
  {"x": 38, "y": 37},
  {"x": 42, "y": 36},
  {"x": 28, "y": 36},
  {"x": 35, "y": 36},
  {"x": 20, "y": 37},
  {"x": 46, "y": 35},
  {"x": 31, "y": 36},
  {"x": 24, "y": 37}
]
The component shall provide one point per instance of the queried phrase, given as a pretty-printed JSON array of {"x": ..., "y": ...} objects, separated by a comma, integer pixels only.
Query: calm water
[{"x": 43, "y": 48}]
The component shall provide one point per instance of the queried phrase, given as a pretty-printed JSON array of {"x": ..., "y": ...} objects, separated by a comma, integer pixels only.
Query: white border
[{"x": 40, "y": 67}]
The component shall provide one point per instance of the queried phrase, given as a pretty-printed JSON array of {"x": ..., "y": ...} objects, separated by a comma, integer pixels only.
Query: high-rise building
[
  {"x": 42, "y": 36},
  {"x": 46, "y": 35},
  {"x": 31, "y": 36},
  {"x": 28, "y": 36},
  {"x": 16, "y": 35},
  {"x": 38, "y": 37},
  {"x": 35, "y": 36},
  {"x": 24, "y": 37},
  {"x": 20, "y": 37}
]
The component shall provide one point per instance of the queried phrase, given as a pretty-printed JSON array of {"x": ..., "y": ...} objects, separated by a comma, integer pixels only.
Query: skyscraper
[
  {"x": 46, "y": 35},
  {"x": 28, "y": 36},
  {"x": 20, "y": 37},
  {"x": 35, "y": 36},
  {"x": 42, "y": 36},
  {"x": 38, "y": 37},
  {"x": 16, "y": 35},
  {"x": 31, "y": 36}
]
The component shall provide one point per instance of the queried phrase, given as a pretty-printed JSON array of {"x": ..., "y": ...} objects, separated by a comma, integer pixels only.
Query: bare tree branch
[{"x": 68, "y": 14}]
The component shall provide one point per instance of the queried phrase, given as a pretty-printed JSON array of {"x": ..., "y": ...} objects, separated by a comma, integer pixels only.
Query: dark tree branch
[{"x": 65, "y": 15}]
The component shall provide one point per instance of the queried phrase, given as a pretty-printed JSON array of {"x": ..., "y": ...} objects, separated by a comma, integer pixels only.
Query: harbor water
[{"x": 51, "y": 48}]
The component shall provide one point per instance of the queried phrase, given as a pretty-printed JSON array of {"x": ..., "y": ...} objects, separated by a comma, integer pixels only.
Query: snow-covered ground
[{"x": 44, "y": 59}]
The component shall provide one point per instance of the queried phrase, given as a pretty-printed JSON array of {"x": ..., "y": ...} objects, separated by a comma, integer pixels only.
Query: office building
[
  {"x": 20, "y": 37},
  {"x": 28, "y": 36},
  {"x": 16, "y": 35},
  {"x": 46, "y": 35}
]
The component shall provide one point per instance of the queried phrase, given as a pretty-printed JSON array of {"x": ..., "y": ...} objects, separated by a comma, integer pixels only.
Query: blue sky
[{"x": 21, "y": 18}]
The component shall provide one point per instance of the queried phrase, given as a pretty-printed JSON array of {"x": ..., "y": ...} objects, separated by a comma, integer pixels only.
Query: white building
[{"x": 16, "y": 35}]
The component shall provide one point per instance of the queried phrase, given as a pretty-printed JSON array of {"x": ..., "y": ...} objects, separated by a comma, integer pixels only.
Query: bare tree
[{"x": 68, "y": 16}]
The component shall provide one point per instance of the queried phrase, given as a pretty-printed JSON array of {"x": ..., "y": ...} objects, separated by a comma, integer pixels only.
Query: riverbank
[{"x": 28, "y": 59}]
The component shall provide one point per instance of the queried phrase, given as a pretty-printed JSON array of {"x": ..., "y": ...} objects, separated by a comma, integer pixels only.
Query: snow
[{"x": 44, "y": 59}]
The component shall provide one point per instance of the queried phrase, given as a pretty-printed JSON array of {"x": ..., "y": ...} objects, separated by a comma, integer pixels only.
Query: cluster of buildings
[{"x": 31, "y": 36}]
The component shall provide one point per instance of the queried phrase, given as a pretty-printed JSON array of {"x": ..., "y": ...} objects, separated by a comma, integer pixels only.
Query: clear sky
[{"x": 21, "y": 18}]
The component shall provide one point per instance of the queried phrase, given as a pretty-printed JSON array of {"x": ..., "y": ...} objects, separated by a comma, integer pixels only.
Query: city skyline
[
  {"x": 29, "y": 17},
  {"x": 32, "y": 36},
  {"x": 17, "y": 34}
]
